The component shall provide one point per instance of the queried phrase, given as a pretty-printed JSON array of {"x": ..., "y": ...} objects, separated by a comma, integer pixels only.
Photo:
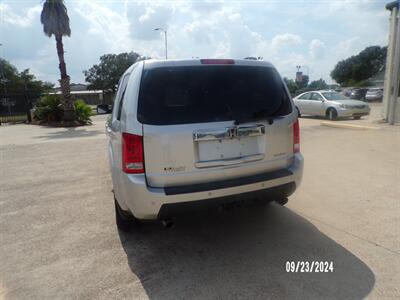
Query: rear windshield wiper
[{"x": 262, "y": 114}]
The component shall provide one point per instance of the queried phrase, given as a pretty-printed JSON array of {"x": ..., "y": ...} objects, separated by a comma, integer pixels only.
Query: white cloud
[
  {"x": 227, "y": 32},
  {"x": 206, "y": 6},
  {"x": 348, "y": 47},
  {"x": 287, "y": 34},
  {"x": 105, "y": 23},
  {"x": 285, "y": 40},
  {"x": 317, "y": 49},
  {"x": 145, "y": 17},
  {"x": 22, "y": 20}
]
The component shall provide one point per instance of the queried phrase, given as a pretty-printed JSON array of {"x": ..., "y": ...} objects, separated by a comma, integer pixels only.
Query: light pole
[{"x": 166, "y": 43}]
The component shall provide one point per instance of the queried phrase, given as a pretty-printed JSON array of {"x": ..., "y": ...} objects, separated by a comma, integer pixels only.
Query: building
[
  {"x": 91, "y": 97},
  {"x": 391, "y": 97}
]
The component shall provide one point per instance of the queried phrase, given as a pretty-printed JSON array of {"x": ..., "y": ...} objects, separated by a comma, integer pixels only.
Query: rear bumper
[
  {"x": 264, "y": 195},
  {"x": 145, "y": 202}
]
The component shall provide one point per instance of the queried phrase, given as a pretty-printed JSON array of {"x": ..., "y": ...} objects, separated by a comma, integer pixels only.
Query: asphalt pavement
[{"x": 59, "y": 239}]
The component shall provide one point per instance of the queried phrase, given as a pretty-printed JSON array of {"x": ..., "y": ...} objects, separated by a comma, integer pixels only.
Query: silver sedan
[{"x": 330, "y": 104}]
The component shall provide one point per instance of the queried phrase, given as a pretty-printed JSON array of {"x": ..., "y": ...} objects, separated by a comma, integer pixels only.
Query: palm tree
[{"x": 55, "y": 21}]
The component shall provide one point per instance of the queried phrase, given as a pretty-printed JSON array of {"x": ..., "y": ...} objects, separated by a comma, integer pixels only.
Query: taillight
[
  {"x": 296, "y": 136},
  {"x": 217, "y": 61},
  {"x": 132, "y": 153}
]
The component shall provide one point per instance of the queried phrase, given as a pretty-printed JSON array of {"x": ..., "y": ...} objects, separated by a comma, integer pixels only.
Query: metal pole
[
  {"x": 389, "y": 67},
  {"x": 395, "y": 72},
  {"x": 166, "y": 45},
  {"x": 165, "y": 40}
]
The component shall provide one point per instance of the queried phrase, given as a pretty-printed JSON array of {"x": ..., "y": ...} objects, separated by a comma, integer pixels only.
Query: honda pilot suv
[{"x": 186, "y": 134}]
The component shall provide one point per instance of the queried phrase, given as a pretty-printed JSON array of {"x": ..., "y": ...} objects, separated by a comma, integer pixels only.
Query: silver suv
[{"x": 193, "y": 133}]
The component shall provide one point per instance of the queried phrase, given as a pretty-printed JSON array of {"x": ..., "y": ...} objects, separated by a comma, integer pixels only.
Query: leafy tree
[
  {"x": 19, "y": 89},
  {"x": 106, "y": 74},
  {"x": 55, "y": 20},
  {"x": 291, "y": 85},
  {"x": 319, "y": 84},
  {"x": 360, "y": 67}
]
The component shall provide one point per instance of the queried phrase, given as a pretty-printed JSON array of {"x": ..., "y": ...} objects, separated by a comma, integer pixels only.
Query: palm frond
[{"x": 54, "y": 18}]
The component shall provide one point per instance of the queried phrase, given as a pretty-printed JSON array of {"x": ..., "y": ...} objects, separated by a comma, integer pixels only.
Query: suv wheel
[
  {"x": 357, "y": 117},
  {"x": 331, "y": 114},
  {"x": 125, "y": 221}
]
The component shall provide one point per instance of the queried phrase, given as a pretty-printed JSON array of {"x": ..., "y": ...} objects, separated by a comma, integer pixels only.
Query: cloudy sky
[{"x": 312, "y": 33}]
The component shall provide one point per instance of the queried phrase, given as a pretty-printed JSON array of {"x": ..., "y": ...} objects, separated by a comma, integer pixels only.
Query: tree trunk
[{"x": 69, "y": 113}]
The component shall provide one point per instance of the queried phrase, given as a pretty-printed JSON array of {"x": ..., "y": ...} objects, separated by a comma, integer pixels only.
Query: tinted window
[
  {"x": 334, "y": 96},
  {"x": 316, "y": 96},
  {"x": 305, "y": 96},
  {"x": 118, "y": 98},
  {"x": 196, "y": 94}
]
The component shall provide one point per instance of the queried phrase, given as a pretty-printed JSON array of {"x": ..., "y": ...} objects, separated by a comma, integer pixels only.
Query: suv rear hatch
[{"x": 209, "y": 122}]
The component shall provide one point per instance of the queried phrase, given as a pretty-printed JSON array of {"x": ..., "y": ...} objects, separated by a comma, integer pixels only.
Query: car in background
[
  {"x": 346, "y": 92},
  {"x": 104, "y": 109},
  {"x": 374, "y": 94},
  {"x": 330, "y": 104},
  {"x": 358, "y": 93}
]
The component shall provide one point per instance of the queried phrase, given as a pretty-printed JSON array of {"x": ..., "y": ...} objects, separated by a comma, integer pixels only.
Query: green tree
[
  {"x": 291, "y": 85},
  {"x": 55, "y": 20},
  {"x": 360, "y": 67},
  {"x": 19, "y": 89},
  {"x": 106, "y": 74},
  {"x": 319, "y": 84}
]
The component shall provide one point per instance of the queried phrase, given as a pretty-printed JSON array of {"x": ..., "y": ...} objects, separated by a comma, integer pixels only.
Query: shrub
[
  {"x": 82, "y": 111},
  {"x": 49, "y": 108}
]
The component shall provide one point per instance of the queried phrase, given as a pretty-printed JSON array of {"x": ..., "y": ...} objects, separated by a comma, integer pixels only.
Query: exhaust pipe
[
  {"x": 282, "y": 201},
  {"x": 168, "y": 223}
]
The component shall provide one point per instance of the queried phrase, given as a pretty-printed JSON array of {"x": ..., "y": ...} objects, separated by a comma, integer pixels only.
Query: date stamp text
[{"x": 309, "y": 266}]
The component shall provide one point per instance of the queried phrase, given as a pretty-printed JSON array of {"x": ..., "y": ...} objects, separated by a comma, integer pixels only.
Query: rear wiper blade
[{"x": 257, "y": 115}]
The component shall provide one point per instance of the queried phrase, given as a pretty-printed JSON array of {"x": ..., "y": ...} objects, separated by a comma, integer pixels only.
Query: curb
[{"x": 348, "y": 126}]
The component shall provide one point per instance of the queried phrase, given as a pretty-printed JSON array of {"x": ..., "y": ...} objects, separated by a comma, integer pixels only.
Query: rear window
[{"x": 198, "y": 94}]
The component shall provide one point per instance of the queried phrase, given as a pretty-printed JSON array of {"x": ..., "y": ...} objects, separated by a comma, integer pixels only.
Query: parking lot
[{"x": 59, "y": 239}]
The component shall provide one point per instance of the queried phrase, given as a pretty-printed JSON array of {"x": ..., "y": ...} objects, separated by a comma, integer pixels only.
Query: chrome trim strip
[
  {"x": 229, "y": 161},
  {"x": 228, "y": 132},
  {"x": 250, "y": 130}
]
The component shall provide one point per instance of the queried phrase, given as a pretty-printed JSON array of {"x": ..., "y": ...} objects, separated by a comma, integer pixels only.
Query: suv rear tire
[
  {"x": 331, "y": 113},
  {"x": 125, "y": 221}
]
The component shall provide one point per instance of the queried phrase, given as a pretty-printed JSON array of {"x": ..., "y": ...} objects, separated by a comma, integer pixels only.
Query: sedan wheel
[{"x": 332, "y": 114}]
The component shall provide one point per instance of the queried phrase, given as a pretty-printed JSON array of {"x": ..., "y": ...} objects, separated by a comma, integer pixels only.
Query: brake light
[
  {"x": 132, "y": 153},
  {"x": 296, "y": 136},
  {"x": 217, "y": 61}
]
